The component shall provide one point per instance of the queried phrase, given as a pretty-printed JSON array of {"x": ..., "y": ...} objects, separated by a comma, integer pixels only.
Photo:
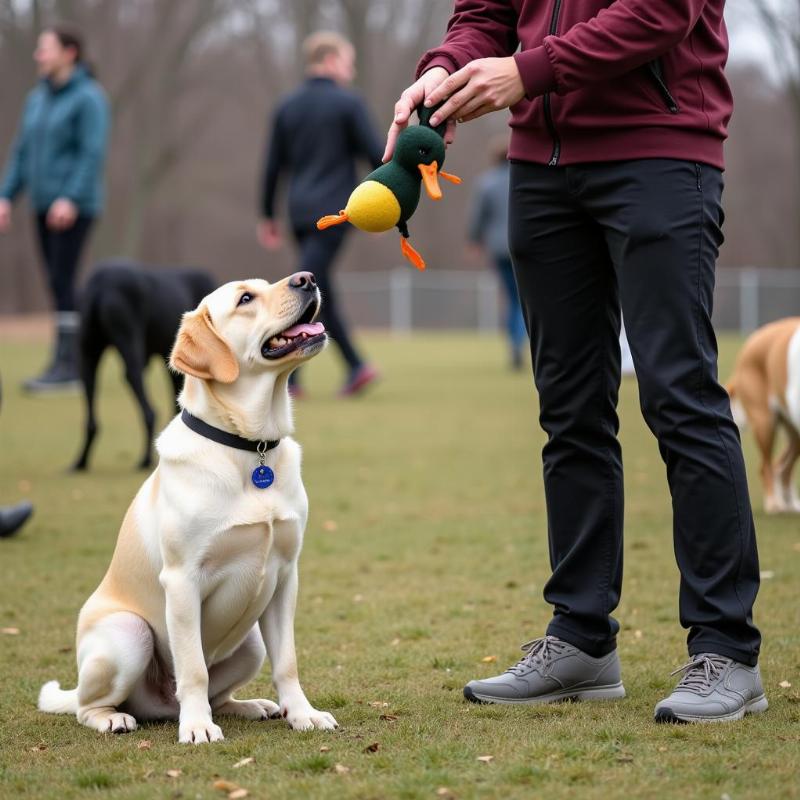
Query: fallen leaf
[
  {"x": 394, "y": 642},
  {"x": 662, "y": 749},
  {"x": 448, "y": 794},
  {"x": 237, "y": 794},
  {"x": 145, "y": 744},
  {"x": 24, "y": 486},
  {"x": 10, "y": 631},
  {"x": 625, "y": 758},
  {"x": 379, "y": 704},
  {"x": 489, "y": 659},
  {"x": 637, "y": 634},
  {"x": 226, "y": 786},
  {"x": 244, "y": 762},
  {"x": 388, "y": 717},
  {"x": 766, "y": 574},
  {"x": 324, "y": 749},
  {"x": 372, "y": 748},
  {"x": 174, "y": 773},
  {"x": 785, "y": 685},
  {"x": 39, "y": 748},
  {"x": 64, "y": 649},
  {"x": 358, "y": 598},
  {"x": 486, "y": 759},
  {"x": 341, "y": 769},
  {"x": 330, "y": 525}
]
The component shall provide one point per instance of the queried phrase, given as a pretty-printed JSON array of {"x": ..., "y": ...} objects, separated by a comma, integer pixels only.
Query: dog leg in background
[
  {"x": 92, "y": 348},
  {"x": 195, "y": 725},
  {"x": 277, "y": 628},
  {"x": 112, "y": 657},
  {"x": 751, "y": 392},
  {"x": 177, "y": 384},
  {"x": 238, "y": 669},
  {"x": 784, "y": 469},
  {"x": 126, "y": 335}
]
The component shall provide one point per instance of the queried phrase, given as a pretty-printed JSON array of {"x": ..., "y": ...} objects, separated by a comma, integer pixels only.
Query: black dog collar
[{"x": 223, "y": 437}]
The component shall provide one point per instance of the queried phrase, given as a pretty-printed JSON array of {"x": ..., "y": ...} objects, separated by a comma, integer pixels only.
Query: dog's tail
[
  {"x": 737, "y": 409},
  {"x": 55, "y": 700}
]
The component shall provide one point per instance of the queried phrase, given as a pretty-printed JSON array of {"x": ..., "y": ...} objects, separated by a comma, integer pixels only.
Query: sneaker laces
[
  {"x": 537, "y": 653},
  {"x": 701, "y": 672}
]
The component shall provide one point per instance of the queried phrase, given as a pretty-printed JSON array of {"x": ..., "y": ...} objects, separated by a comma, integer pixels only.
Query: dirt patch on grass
[{"x": 25, "y": 327}]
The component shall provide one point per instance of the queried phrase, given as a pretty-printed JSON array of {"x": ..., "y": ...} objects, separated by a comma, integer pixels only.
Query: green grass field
[{"x": 425, "y": 555}]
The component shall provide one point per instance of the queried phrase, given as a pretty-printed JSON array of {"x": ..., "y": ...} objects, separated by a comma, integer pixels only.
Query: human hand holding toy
[{"x": 389, "y": 195}]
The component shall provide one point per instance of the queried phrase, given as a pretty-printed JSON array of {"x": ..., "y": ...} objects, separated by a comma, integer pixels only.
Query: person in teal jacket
[{"x": 58, "y": 157}]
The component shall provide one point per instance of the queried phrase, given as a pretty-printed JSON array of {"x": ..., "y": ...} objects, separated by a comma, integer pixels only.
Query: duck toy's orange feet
[
  {"x": 411, "y": 254},
  {"x": 331, "y": 220}
]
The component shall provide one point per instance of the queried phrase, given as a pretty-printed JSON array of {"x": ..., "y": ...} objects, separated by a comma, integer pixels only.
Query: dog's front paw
[
  {"x": 307, "y": 718},
  {"x": 249, "y": 709},
  {"x": 199, "y": 732}
]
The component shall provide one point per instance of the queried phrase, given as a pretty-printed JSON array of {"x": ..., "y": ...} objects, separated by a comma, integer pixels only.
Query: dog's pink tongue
[{"x": 311, "y": 328}]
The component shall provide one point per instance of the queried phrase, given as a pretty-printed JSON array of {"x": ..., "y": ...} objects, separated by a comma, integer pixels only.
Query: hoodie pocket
[{"x": 655, "y": 71}]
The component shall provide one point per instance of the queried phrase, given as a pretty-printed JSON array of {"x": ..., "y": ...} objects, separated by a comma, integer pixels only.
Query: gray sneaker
[
  {"x": 550, "y": 671},
  {"x": 713, "y": 689}
]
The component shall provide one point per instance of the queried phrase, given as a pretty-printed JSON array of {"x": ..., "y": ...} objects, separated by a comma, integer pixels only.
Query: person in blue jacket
[{"x": 58, "y": 156}]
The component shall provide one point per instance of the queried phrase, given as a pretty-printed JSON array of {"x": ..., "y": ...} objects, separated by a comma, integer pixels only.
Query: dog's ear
[{"x": 200, "y": 351}]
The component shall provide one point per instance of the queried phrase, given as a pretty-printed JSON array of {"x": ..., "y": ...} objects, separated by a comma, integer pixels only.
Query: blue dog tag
[{"x": 263, "y": 477}]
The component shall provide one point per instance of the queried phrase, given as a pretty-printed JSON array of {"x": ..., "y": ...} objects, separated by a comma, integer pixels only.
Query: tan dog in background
[
  {"x": 765, "y": 392},
  {"x": 203, "y": 581}
]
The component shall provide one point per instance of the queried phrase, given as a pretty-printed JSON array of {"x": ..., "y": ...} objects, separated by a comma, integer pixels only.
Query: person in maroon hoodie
[{"x": 618, "y": 114}]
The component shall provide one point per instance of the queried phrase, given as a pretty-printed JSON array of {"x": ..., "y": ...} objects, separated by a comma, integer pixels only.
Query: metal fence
[{"x": 403, "y": 300}]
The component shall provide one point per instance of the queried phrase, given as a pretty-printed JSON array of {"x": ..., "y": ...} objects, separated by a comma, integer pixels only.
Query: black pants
[
  {"x": 61, "y": 252},
  {"x": 318, "y": 250},
  {"x": 642, "y": 235}
]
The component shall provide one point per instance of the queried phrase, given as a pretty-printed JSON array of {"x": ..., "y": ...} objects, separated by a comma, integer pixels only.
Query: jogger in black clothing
[{"x": 318, "y": 133}]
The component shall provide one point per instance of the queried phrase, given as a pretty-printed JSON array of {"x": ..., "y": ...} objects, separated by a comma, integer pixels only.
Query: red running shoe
[{"x": 359, "y": 380}]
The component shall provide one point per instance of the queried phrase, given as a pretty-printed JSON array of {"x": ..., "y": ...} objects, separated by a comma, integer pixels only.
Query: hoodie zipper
[
  {"x": 548, "y": 116},
  {"x": 656, "y": 70}
]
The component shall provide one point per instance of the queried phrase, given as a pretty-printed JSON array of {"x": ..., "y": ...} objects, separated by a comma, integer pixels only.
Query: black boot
[
  {"x": 63, "y": 370},
  {"x": 12, "y": 518}
]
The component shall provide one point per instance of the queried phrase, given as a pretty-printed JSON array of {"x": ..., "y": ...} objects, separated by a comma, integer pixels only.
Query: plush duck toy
[{"x": 389, "y": 196}]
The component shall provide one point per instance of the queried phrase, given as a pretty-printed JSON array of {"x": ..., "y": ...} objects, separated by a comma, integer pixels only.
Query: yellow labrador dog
[{"x": 203, "y": 581}]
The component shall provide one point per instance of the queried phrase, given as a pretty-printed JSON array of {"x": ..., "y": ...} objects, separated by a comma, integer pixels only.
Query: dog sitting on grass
[
  {"x": 203, "y": 581},
  {"x": 137, "y": 311}
]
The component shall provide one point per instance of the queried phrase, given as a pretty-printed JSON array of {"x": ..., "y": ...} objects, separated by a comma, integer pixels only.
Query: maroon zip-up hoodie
[{"x": 604, "y": 81}]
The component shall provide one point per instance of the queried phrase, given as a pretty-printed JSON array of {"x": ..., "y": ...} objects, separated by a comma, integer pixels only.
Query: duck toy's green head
[{"x": 389, "y": 196}]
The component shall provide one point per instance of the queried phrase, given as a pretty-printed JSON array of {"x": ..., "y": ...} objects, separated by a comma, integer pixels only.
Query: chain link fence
[{"x": 403, "y": 300}]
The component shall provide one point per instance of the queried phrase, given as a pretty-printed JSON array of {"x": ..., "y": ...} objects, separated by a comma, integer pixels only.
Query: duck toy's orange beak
[{"x": 430, "y": 179}]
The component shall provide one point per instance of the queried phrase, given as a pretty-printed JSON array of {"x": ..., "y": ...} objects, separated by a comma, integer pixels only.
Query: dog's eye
[{"x": 245, "y": 299}]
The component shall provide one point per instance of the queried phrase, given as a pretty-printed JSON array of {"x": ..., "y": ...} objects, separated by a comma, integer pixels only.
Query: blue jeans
[{"x": 515, "y": 323}]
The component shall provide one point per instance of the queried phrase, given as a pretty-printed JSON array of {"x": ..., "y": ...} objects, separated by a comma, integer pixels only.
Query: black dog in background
[{"x": 137, "y": 311}]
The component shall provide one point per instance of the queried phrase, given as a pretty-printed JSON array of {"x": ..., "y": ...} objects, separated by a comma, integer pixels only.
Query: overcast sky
[{"x": 748, "y": 43}]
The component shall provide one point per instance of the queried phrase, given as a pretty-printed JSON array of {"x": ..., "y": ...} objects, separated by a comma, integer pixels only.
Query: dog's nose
[{"x": 304, "y": 281}]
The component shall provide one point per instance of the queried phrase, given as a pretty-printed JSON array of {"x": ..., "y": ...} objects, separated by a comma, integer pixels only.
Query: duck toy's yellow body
[{"x": 388, "y": 196}]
